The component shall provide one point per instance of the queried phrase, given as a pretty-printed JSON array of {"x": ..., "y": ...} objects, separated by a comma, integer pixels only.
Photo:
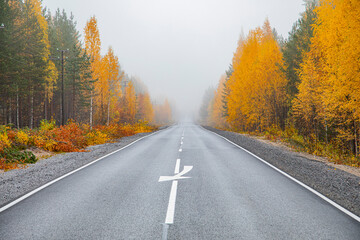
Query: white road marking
[
  {"x": 177, "y": 176},
  {"x": 171, "y": 206},
  {"x": 177, "y": 166},
  {"x": 180, "y": 150},
  {"x": 344, "y": 210},
  {"x": 182, "y": 143},
  {"x": 67, "y": 174},
  {"x": 169, "y": 219}
]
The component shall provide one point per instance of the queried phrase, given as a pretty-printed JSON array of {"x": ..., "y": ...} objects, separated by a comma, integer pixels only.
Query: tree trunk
[
  {"x": 61, "y": 110},
  {"x": 102, "y": 110},
  {"x": 108, "y": 113},
  {"x": 62, "y": 104},
  {"x": 17, "y": 108},
  {"x": 10, "y": 110},
  {"x": 32, "y": 108},
  {"x": 355, "y": 140},
  {"x": 73, "y": 98},
  {"x": 45, "y": 106},
  {"x": 91, "y": 110}
]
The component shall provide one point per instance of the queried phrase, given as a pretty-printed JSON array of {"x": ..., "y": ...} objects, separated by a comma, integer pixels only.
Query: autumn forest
[
  {"x": 58, "y": 92},
  {"x": 304, "y": 90},
  {"x": 47, "y": 72}
]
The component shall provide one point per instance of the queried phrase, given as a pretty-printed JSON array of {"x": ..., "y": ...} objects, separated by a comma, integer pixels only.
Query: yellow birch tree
[{"x": 93, "y": 46}]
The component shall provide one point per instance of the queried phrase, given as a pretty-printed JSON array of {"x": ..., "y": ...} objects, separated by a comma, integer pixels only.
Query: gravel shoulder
[
  {"x": 18, "y": 182},
  {"x": 341, "y": 186}
]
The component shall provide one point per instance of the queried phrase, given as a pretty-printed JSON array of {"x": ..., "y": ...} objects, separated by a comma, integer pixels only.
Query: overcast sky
[{"x": 178, "y": 48}]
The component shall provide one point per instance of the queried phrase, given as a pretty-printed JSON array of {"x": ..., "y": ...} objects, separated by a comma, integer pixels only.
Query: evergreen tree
[
  {"x": 64, "y": 36},
  {"x": 297, "y": 44}
]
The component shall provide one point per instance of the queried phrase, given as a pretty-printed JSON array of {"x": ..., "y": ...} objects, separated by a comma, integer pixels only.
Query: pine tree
[{"x": 298, "y": 44}]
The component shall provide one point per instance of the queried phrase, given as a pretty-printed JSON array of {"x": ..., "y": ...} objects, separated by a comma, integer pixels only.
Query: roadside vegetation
[
  {"x": 304, "y": 90},
  {"x": 16, "y": 145},
  {"x": 59, "y": 93}
]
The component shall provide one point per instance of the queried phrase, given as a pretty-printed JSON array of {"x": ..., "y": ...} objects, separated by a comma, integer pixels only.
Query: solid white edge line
[
  {"x": 67, "y": 174},
  {"x": 171, "y": 206},
  {"x": 177, "y": 166},
  {"x": 344, "y": 210}
]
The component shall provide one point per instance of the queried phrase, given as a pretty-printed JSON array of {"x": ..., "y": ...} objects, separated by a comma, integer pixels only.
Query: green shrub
[
  {"x": 46, "y": 125},
  {"x": 14, "y": 155}
]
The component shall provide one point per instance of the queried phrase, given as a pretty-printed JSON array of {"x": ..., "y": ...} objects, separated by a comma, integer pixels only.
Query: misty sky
[{"x": 178, "y": 48}]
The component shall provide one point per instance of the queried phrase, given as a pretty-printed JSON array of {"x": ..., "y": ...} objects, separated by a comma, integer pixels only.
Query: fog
[{"x": 178, "y": 48}]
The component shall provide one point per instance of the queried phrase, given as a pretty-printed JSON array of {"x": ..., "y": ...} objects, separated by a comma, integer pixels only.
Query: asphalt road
[{"x": 230, "y": 195}]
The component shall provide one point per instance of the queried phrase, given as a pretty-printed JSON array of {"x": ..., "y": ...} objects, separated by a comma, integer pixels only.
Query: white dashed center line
[
  {"x": 177, "y": 166},
  {"x": 171, "y": 207}
]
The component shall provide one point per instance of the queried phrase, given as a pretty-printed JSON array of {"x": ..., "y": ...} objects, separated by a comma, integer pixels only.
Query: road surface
[{"x": 183, "y": 182}]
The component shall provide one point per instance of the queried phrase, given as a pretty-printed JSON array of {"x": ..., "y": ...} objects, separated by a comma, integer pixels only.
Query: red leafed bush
[
  {"x": 11, "y": 135},
  {"x": 68, "y": 138},
  {"x": 9, "y": 165}
]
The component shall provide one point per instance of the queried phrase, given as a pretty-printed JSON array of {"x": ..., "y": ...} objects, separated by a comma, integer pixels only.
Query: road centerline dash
[
  {"x": 169, "y": 219},
  {"x": 171, "y": 206},
  {"x": 177, "y": 166}
]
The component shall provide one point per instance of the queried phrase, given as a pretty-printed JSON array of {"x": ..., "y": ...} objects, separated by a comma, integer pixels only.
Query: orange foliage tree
[
  {"x": 145, "y": 111},
  {"x": 330, "y": 76},
  {"x": 216, "y": 108},
  {"x": 110, "y": 90},
  {"x": 93, "y": 46},
  {"x": 319, "y": 96},
  {"x": 257, "y": 96},
  {"x": 163, "y": 114},
  {"x": 128, "y": 104}
]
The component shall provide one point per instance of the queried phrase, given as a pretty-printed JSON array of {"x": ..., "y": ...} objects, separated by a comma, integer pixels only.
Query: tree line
[
  {"x": 47, "y": 72},
  {"x": 307, "y": 85}
]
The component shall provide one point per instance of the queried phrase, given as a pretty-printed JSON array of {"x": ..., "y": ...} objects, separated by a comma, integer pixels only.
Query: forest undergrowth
[
  {"x": 309, "y": 144},
  {"x": 17, "y": 145}
]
